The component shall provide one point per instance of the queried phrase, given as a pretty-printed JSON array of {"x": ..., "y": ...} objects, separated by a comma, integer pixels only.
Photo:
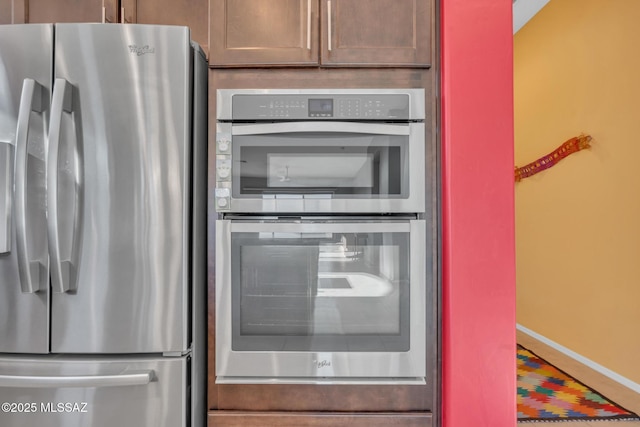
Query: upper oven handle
[{"x": 321, "y": 126}]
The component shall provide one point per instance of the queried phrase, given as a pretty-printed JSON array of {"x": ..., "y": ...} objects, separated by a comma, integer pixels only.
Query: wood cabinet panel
[
  {"x": 309, "y": 397},
  {"x": 362, "y": 33},
  {"x": 191, "y": 13},
  {"x": 47, "y": 11},
  {"x": 5, "y": 11},
  {"x": 376, "y": 32},
  {"x": 43, "y": 11},
  {"x": 265, "y": 32},
  {"x": 281, "y": 419}
]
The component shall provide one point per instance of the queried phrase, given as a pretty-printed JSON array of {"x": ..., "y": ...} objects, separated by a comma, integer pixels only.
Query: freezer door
[
  {"x": 26, "y": 60},
  {"x": 119, "y": 189},
  {"x": 77, "y": 392}
]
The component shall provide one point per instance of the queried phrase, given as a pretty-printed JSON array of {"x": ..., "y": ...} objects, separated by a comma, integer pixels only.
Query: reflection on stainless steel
[
  {"x": 6, "y": 195},
  {"x": 280, "y": 151},
  {"x": 107, "y": 391},
  {"x": 416, "y": 110},
  {"x": 331, "y": 299},
  {"x": 287, "y": 304},
  {"x": 322, "y": 380},
  {"x": 312, "y": 170},
  {"x": 135, "y": 169},
  {"x": 39, "y": 381},
  {"x": 62, "y": 269},
  {"x": 112, "y": 189},
  {"x": 327, "y": 163},
  {"x": 25, "y": 317},
  {"x": 307, "y": 127},
  {"x": 33, "y": 273},
  {"x": 360, "y": 285}
]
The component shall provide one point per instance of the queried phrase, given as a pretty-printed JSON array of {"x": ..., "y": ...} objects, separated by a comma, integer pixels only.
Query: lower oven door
[{"x": 320, "y": 301}]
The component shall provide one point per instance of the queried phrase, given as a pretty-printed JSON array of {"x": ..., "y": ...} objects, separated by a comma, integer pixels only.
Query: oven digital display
[{"x": 320, "y": 107}]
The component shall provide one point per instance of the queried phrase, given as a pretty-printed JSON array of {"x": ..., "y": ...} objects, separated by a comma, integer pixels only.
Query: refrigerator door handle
[
  {"x": 62, "y": 270},
  {"x": 6, "y": 195},
  {"x": 30, "y": 271},
  {"x": 122, "y": 380}
]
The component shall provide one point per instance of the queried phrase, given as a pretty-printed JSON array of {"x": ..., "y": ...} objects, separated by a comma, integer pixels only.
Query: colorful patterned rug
[{"x": 545, "y": 393}]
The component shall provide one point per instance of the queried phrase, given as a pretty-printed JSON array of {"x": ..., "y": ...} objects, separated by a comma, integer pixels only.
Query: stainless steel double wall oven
[{"x": 321, "y": 237}]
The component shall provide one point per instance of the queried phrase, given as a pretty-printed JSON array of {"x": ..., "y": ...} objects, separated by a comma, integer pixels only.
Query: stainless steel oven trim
[
  {"x": 416, "y": 97},
  {"x": 415, "y": 202},
  {"x": 258, "y": 366},
  {"x": 323, "y": 381},
  {"x": 316, "y": 126}
]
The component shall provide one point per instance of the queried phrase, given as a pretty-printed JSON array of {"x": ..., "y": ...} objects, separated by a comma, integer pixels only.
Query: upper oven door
[{"x": 321, "y": 167}]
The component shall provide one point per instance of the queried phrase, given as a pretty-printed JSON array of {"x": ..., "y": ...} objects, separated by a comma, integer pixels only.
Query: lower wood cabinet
[
  {"x": 318, "y": 419},
  {"x": 325, "y": 398}
]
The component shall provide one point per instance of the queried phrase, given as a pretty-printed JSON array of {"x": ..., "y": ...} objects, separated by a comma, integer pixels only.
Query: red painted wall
[{"x": 479, "y": 374}]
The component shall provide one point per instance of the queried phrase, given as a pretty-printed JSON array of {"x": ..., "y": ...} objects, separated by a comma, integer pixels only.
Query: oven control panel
[
  {"x": 321, "y": 107},
  {"x": 223, "y": 169}
]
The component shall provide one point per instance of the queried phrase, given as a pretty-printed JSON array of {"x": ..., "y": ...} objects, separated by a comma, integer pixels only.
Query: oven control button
[
  {"x": 223, "y": 169},
  {"x": 223, "y": 198},
  {"x": 223, "y": 143}
]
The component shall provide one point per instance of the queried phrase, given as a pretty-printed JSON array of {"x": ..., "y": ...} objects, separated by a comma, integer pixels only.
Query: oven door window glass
[
  {"x": 331, "y": 164},
  {"x": 343, "y": 291}
]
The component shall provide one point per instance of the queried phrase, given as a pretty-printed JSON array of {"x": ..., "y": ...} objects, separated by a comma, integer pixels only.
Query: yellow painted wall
[{"x": 577, "y": 69}]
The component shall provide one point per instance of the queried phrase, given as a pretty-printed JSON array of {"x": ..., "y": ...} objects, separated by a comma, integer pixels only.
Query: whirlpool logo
[
  {"x": 141, "y": 50},
  {"x": 321, "y": 364}
]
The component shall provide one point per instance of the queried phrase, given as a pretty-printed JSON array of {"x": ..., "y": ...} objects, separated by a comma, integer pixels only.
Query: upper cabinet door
[
  {"x": 5, "y": 12},
  {"x": 376, "y": 33},
  {"x": 47, "y": 11},
  {"x": 265, "y": 32},
  {"x": 190, "y": 13}
]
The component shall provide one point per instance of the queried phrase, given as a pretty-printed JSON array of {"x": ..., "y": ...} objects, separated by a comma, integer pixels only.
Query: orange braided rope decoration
[{"x": 571, "y": 146}]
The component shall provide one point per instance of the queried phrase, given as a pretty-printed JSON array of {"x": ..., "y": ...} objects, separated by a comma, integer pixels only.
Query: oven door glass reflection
[
  {"x": 331, "y": 164},
  {"x": 320, "y": 291}
]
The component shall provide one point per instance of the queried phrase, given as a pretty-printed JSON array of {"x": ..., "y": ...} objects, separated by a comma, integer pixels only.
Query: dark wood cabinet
[
  {"x": 317, "y": 419},
  {"x": 265, "y": 32},
  {"x": 191, "y": 13},
  {"x": 362, "y": 33},
  {"x": 6, "y": 12},
  {"x": 46, "y": 11},
  {"x": 376, "y": 33}
]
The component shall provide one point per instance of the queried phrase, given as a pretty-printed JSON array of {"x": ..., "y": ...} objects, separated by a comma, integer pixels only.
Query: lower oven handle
[
  {"x": 321, "y": 126},
  {"x": 314, "y": 228}
]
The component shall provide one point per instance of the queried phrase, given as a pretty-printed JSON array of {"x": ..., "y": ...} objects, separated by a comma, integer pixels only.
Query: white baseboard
[
  {"x": 588, "y": 362},
  {"x": 524, "y": 10}
]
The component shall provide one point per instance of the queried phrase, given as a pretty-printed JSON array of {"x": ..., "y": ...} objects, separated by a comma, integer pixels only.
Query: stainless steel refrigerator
[{"x": 102, "y": 226}]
